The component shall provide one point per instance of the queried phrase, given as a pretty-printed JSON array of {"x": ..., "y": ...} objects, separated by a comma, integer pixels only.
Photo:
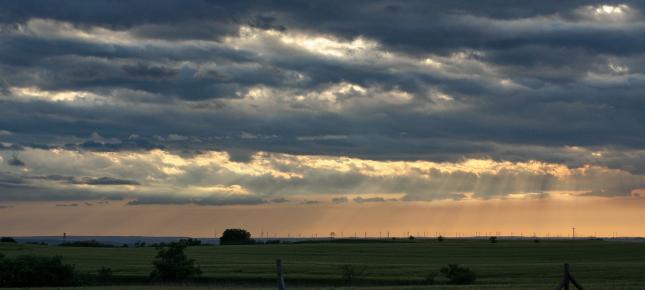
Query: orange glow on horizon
[{"x": 592, "y": 216}]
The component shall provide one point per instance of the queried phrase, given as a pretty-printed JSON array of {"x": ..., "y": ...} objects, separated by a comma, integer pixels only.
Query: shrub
[
  {"x": 172, "y": 264},
  {"x": 88, "y": 244},
  {"x": 440, "y": 239},
  {"x": 190, "y": 242},
  {"x": 458, "y": 275},
  {"x": 35, "y": 271},
  {"x": 104, "y": 275},
  {"x": 536, "y": 240},
  {"x": 235, "y": 237},
  {"x": 7, "y": 240},
  {"x": 37, "y": 243},
  {"x": 493, "y": 240},
  {"x": 350, "y": 273}
]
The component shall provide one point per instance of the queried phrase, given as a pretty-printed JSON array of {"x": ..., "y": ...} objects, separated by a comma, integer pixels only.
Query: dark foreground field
[{"x": 388, "y": 265}]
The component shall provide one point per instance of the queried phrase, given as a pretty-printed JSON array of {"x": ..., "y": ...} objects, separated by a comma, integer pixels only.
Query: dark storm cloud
[
  {"x": 106, "y": 181},
  {"x": 118, "y": 15},
  {"x": 527, "y": 81},
  {"x": 16, "y": 162},
  {"x": 85, "y": 180},
  {"x": 21, "y": 187}
]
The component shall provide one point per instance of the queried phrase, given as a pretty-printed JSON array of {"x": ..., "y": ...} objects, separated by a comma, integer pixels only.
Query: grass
[{"x": 503, "y": 265}]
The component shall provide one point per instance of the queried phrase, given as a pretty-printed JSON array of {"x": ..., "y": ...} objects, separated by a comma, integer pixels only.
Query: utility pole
[{"x": 573, "y": 233}]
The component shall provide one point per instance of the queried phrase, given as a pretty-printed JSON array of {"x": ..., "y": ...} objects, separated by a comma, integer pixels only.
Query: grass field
[{"x": 389, "y": 265}]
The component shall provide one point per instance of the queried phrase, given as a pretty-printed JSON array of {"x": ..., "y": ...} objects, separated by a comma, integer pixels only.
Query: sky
[{"x": 307, "y": 117}]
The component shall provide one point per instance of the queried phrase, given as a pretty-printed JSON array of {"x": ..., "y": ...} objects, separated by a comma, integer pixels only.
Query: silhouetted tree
[
  {"x": 493, "y": 239},
  {"x": 172, "y": 264},
  {"x": 7, "y": 240},
  {"x": 440, "y": 238},
  {"x": 235, "y": 237}
]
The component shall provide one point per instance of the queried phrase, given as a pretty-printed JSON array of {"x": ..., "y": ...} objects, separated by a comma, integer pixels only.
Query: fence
[{"x": 568, "y": 278}]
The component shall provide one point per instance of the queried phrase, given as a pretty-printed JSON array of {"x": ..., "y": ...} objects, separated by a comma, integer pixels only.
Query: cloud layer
[
  {"x": 212, "y": 178},
  {"x": 255, "y": 83}
]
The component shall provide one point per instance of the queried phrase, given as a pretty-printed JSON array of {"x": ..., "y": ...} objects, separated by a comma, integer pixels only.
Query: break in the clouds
[{"x": 245, "y": 102}]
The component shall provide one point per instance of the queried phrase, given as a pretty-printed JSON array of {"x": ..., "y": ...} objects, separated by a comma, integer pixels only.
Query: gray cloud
[
  {"x": 16, "y": 162},
  {"x": 206, "y": 201},
  {"x": 339, "y": 200},
  {"x": 106, "y": 181},
  {"x": 86, "y": 180},
  {"x": 279, "y": 200},
  {"x": 369, "y": 199},
  {"x": 372, "y": 199}
]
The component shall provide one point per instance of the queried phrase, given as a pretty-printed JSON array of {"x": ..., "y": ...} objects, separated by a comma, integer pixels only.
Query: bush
[
  {"x": 37, "y": 243},
  {"x": 493, "y": 240},
  {"x": 104, "y": 275},
  {"x": 7, "y": 240},
  {"x": 88, "y": 244},
  {"x": 35, "y": 271},
  {"x": 350, "y": 273},
  {"x": 190, "y": 242},
  {"x": 172, "y": 264},
  {"x": 440, "y": 239},
  {"x": 235, "y": 237},
  {"x": 458, "y": 275}
]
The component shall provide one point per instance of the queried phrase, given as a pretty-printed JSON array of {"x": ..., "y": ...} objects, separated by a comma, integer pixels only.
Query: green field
[{"x": 389, "y": 265}]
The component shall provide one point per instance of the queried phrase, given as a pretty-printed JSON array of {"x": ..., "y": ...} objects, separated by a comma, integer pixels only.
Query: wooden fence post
[
  {"x": 568, "y": 278},
  {"x": 278, "y": 264}
]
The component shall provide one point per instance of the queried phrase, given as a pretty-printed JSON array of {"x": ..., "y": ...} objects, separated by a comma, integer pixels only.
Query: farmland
[{"x": 388, "y": 265}]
